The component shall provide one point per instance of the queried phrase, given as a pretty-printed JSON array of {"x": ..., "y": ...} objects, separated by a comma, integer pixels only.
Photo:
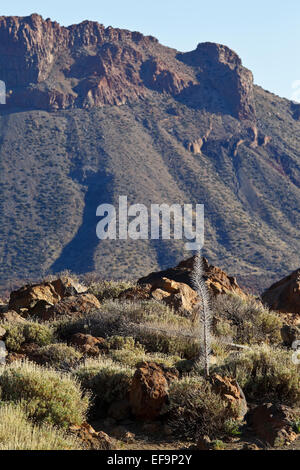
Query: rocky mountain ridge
[
  {"x": 95, "y": 112},
  {"x": 88, "y": 65}
]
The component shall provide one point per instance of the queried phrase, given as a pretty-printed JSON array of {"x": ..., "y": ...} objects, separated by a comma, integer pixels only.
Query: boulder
[
  {"x": 12, "y": 316},
  {"x": 284, "y": 295},
  {"x": 38, "y": 297},
  {"x": 178, "y": 295},
  {"x": 273, "y": 424},
  {"x": 217, "y": 280},
  {"x": 136, "y": 293},
  {"x": 230, "y": 392},
  {"x": 91, "y": 439},
  {"x": 74, "y": 306},
  {"x": 88, "y": 344},
  {"x": 149, "y": 390}
]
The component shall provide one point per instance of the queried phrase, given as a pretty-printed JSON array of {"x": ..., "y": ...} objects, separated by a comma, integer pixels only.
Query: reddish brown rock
[
  {"x": 38, "y": 297},
  {"x": 217, "y": 280},
  {"x": 273, "y": 424},
  {"x": 149, "y": 390},
  {"x": 136, "y": 293},
  {"x": 88, "y": 344},
  {"x": 74, "y": 306},
  {"x": 284, "y": 295},
  {"x": 178, "y": 295},
  {"x": 54, "y": 67},
  {"x": 91, "y": 439},
  {"x": 231, "y": 393}
]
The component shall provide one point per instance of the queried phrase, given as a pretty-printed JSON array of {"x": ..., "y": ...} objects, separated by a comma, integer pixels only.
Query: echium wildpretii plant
[{"x": 204, "y": 310}]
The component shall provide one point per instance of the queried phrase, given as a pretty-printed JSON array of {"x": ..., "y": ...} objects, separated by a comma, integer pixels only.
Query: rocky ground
[{"x": 124, "y": 358}]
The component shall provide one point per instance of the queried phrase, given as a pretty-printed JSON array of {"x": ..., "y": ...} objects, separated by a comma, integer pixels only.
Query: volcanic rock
[
  {"x": 273, "y": 423},
  {"x": 217, "y": 280},
  {"x": 284, "y": 295},
  {"x": 149, "y": 390}
]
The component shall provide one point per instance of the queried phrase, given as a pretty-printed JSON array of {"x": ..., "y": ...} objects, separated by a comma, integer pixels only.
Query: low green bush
[
  {"x": 245, "y": 321},
  {"x": 17, "y": 432},
  {"x": 48, "y": 396},
  {"x": 166, "y": 341},
  {"x": 194, "y": 409},
  {"x": 109, "y": 381},
  {"x": 265, "y": 373},
  {"x": 109, "y": 289},
  {"x": 131, "y": 357},
  {"x": 29, "y": 332},
  {"x": 58, "y": 355}
]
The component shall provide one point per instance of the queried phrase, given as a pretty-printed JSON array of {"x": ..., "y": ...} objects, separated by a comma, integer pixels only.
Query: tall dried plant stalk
[{"x": 204, "y": 310}]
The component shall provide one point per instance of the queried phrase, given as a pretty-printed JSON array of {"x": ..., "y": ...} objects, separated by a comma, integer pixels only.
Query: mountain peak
[{"x": 48, "y": 66}]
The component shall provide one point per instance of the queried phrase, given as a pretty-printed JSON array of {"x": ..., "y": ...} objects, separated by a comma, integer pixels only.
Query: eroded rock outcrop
[
  {"x": 284, "y": 295},
  {"x": 149, "y": 389},
  {"x": 37, "y": 297},
  {"x": 54, "y": 67},
  {"x": 223, "y": 68},
  {"x": 217, "y": 280}
]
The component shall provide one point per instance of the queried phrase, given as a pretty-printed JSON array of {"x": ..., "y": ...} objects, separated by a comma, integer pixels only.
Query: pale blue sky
[{"x": 265, "y": 33}]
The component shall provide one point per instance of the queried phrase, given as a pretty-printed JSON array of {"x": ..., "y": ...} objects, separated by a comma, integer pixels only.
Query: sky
[{"x": 265, "y": 33}]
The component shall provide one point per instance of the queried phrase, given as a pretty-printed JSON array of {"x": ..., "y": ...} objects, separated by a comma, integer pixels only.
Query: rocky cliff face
[
  {"x": 46, "y": 66},
  {"x": 93, "y": 113}
]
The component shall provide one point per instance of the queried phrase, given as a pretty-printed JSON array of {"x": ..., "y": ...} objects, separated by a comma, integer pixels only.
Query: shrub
[
  {"x": 58, "y": 355},
  {"x": 195, "y": 409},
  {"x": 131, "y": 357},
  {"x": 124, "y": 342},
  {"x": 108, "y": 380},
  {"x": 245, "y": 321},
  {"x": 17, "y": 432},
  {"x": 167, "y": 341},
  {"x": 150, "y": 311},
  {"x": 98, "y": 323},
  {"x": 265, "y": 374},
  {"x": 49, "y": 396},
  {"x": 29, "y": 332},
  {"x": 109, "y": 289}
]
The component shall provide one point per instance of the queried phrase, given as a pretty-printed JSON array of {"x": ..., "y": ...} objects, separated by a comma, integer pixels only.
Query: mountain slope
[{"x": 94, "y": 113}]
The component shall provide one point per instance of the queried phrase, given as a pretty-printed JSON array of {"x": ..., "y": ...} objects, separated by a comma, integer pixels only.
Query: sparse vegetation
[
  {"x": 245, "y": 321},
  {"x": 65, "y": 386},
  {"x": 195, "y": 409},
  {"x": 265, "y": 373},
  {"x": 109, "y": 289},
  {"x": 47, "y": 395},
  {"x": 58, "y": 355},
  {"x": 17, "y": 432},
  {"x": 29, "y": 332},
  {"x": 108, "y": 380}
]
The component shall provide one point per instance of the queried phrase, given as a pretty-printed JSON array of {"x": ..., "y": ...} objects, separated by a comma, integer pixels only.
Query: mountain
[{"x": 93, "y": 113}]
